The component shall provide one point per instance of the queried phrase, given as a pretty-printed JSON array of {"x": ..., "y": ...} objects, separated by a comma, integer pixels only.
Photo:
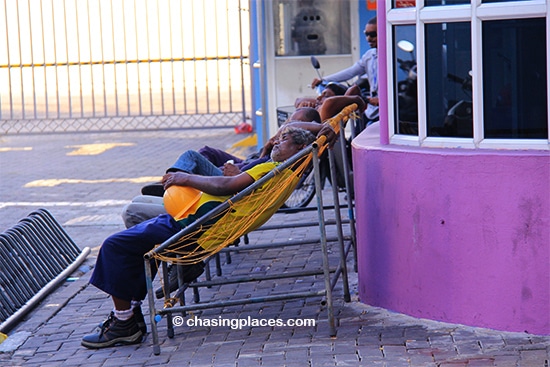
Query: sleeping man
[{"x": 119, "y": 269}]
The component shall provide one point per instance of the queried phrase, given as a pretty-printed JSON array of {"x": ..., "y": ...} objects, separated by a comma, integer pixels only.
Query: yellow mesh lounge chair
[{"x": 237, "y": 216}]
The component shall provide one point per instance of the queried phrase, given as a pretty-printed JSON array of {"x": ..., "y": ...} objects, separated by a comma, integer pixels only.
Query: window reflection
[
  {"x": 514, "y": 79},
  {"x": 405, "y": 80},
  {"x": 449, "y": 80}
]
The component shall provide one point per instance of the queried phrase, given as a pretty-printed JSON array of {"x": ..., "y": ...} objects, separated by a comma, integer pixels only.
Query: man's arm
[
  {"x": 213, "y": 185},
  {"x": 333, "y": 105},
  {"x": 343, "y": 75},
  {"x": 268, "y": 146}
]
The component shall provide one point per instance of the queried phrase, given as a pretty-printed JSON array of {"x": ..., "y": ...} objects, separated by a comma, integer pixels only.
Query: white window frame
[{"x": 475, "y": 12}]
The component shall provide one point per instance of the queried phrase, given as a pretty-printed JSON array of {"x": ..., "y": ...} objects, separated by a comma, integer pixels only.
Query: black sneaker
[
  {"x": 155, "y": 189},
  {"x": 190, "y": 273},
  {"x": 114, "y": 331},
  {"x": 140, "y": 320}
]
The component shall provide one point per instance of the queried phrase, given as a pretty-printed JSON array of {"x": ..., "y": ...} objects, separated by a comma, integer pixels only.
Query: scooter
[
  {"x": 323, "y": 85},
  {"x": 459, "y": 119},
  {"x": 285, "y": 111}
]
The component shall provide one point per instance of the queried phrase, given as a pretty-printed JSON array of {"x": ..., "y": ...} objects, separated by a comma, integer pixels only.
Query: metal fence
[{"x": 89, "y": 65}]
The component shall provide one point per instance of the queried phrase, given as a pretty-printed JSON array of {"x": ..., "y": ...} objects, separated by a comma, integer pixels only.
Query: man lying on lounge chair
[
  {"x": 150, "y": 204},
  {"x": 119, "y": 269}
]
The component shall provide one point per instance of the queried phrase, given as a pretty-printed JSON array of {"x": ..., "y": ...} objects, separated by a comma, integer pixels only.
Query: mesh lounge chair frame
[{"x": 329, "y": 282}]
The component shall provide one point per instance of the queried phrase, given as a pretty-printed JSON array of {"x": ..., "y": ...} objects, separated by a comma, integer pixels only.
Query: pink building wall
[{"x": 455, "y": 235}]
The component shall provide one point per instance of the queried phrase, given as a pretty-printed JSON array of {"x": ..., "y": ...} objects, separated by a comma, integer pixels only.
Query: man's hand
[
  {"x": 174, "y": 178},
  {"x": 229, "y": 169},
  {"x": 316, "y": 82},
  {"x": 329, "y": 133},
  {"x": 374, "y": 101},
  {"x": 266, "y": 150}
]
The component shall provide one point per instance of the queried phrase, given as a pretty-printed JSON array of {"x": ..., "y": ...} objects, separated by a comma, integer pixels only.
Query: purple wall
[{"x": 454, "y": 235}]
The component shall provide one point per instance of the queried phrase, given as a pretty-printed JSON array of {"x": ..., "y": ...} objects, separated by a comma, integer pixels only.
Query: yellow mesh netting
[{"x": 247, "y": 214}]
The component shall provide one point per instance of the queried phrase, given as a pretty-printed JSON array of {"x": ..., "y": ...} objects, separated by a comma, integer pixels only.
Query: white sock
[{"x": 124, "y": 315}]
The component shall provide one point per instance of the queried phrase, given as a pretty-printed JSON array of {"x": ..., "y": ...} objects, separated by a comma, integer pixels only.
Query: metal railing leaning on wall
[{"x": 92, "y": 65}]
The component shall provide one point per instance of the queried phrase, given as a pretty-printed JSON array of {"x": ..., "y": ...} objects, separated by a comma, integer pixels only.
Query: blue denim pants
[{"x": 194, "y": 162}]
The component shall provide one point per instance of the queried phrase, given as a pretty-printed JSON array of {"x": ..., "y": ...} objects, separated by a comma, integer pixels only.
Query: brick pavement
[{"x": 89, "y": 210}]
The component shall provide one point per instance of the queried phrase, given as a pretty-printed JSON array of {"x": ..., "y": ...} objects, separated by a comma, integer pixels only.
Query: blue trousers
[
  {"x": 208, "y": 162},
  {"x": 120, "y": 269},
  {"x": 217, "y": 156},
  {"x": 194, "y": 162}
]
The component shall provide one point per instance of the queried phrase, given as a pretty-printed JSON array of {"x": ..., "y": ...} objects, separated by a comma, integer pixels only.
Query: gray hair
[{"x": 299, "y": 136}]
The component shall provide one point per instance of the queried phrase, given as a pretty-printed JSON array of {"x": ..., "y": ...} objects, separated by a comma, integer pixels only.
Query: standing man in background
[{"x": 365, "y": 68}]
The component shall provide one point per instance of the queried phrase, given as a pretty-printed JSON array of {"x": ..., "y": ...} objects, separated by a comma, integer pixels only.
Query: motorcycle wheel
[{"x": 303, "y": 193}]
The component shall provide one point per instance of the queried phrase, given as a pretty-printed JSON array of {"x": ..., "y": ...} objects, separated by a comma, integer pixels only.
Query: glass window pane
[
  {"x": 405, "y": 89},
  {"x": 311, "y": 27},
  {"x": 448, "y": 80},
  {"x": 514, "y": 79}
]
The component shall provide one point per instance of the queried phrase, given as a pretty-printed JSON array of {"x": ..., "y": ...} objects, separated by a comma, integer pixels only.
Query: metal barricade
[{"x": 36, "y": 255}]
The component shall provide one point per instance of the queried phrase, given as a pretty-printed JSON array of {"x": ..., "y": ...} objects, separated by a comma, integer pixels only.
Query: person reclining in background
[
  {"x": 328, "y": 105},
  {"x": 331, "y": 90},
  {"x": 119, "y": 269},
  {"x": 332, "y": 100}
]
